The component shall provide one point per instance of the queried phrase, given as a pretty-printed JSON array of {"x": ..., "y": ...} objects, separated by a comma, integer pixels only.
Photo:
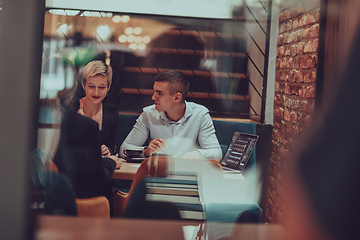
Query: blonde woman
[{"x": 96, "y": 81}]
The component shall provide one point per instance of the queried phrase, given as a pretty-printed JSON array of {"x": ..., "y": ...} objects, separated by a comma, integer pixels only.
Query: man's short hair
[
  {"x": 95, "y": 68},
  {"x": 177, "y": 82}
]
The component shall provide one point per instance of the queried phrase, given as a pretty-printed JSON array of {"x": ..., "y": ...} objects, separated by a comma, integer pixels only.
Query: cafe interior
[{"x": 243, "y": 59}]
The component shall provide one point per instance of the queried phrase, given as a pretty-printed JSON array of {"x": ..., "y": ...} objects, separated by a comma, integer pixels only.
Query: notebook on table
[{"x": 238, "y": 152}]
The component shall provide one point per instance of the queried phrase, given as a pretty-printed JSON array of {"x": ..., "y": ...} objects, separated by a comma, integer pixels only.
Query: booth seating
[{"x": 250, "y": 212}]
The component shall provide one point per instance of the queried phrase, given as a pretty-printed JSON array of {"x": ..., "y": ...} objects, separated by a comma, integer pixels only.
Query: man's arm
[
  {"x": 208, "y": 141},
  {"x": 137, "y": 137}
]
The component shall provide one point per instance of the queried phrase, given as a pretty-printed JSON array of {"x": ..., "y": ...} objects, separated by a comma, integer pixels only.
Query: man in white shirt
[{"x": 174, "y": 126}]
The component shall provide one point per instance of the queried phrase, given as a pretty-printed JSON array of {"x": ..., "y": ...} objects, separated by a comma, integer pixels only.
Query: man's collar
[{"x": 188, "y": 113}]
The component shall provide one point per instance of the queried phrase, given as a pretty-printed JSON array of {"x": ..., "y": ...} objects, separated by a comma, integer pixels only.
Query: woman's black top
[
  {"x": 109, "y": 124},
  {"x": 79, "y": 157}
]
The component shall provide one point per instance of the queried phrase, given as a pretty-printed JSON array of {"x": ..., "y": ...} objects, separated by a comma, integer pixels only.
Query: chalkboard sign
[{"x": 239, "y": 150}]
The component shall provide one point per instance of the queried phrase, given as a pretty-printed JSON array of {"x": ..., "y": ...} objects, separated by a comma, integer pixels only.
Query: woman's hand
[
  {"x": 105, "y": 150},
  {"x": 81, "y": 108},
  {"x": 117, "y": 160}
]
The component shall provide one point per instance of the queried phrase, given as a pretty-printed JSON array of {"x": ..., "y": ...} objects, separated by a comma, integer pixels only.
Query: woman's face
[{"x": 96, "y": 88}]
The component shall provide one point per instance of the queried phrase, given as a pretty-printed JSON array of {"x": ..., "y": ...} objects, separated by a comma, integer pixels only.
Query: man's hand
[
  {"x": 105, "y": 150},
  {"x": 81, "y": 108},
  {"x": 117, "y": 160},
  {"x": 192, "y": 155},
  {"x": 154, "y": 146}
]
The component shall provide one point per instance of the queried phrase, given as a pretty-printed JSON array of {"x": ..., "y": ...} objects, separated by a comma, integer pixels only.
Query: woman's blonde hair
[{"x": 94, "y": 68}]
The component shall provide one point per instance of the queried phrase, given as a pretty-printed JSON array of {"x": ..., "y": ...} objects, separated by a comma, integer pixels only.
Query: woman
[
  {"x": 96, "y": 82},
  {"x": 78, "y": 156}
]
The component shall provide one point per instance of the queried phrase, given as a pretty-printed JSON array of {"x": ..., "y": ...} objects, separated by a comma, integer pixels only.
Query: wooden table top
[{"x": 74, "y": 228}]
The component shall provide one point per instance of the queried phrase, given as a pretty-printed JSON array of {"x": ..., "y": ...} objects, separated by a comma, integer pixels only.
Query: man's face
[{"x": 162, "y": 98}]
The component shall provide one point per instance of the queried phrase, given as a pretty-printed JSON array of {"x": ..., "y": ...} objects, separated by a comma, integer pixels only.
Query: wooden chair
[
  {"x": 94, "y": 207},
  {"x": 154, "y": 166}
]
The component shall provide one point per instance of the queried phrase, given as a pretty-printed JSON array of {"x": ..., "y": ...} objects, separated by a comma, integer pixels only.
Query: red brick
[
  {"x": 295, "y": 24},
  {"x": 293, "y": 50},
  {"x": 282, "y": 27},
  {"x": 308, "y": 92},
  {"x": 308, "y": 48},
  {"x": 284, "y": 16},
  {"x": 308, "y": 61},
  {"x": 287, "y": 50},
  {"x": 300, "y": 47},
  {"x": 294, "y": 89},
  {"x": 280, "y": 51},
  {"x": 289, "y": 25},
  {"x": 287, "y": 89},
  {"x": 296, "y": 76},
  {"x": 307, "y": 19},
  {"x": 287, "y": 115},
  {"x": 291, "y": 102},
  {"x": 307, "y": 105},
  {"x": 277, "y": 87},
  {"x": 290, "y": 63},
  {"x": 277, "y": 63},
  {"x": 310, "y": 77},
  {"x": 282, "y": 87},
  {"x": 305, "y": 33},
  {"x": 278, "y": 112},
  {"x": 282, "y": 63},
  {"x": 297, "y": 62},
  {"x": 314, "y": 31},
  {"x": 278, "y": 99},
  {"x": 315, "y": 44},
  {"x": 293, "y": 117},
  {"x": 292, "y": 37},
  {"x": 277, "y": 76}
]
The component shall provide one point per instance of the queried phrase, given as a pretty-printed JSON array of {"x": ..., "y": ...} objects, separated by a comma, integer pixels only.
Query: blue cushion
[{"x": 125, "y": 124}]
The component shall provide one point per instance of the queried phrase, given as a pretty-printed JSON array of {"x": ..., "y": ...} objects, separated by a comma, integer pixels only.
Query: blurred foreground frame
[{"x": 20, "y": 67}]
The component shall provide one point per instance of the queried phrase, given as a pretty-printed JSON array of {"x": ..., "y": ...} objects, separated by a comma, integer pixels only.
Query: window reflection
[{"x": 213, "y": 53}]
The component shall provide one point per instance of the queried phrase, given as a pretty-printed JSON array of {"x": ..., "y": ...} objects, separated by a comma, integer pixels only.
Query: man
[{"x": 174, "y": 127}]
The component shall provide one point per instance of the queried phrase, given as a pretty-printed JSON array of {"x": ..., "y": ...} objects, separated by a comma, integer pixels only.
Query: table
[
  {"x": 74, "y": 228},
  {"x": 127, "y": 171}
]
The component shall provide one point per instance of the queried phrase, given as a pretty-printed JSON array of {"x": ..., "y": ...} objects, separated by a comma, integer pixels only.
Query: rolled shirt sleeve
[{"x": 208, "y": 141}]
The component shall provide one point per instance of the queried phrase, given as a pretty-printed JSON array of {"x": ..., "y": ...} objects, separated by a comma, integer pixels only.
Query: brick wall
[{"x": 294, "y": 101}]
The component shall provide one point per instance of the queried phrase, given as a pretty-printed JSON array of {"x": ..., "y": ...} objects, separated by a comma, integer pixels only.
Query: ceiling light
[
  {"x": 95, "y": 14},
  {"x": 142, "y": 46},
  {"x": 122, "y": 38},
  {"x": 133, "y": 46},
  {"x": 116, "y": 19},
  {"x": 103, "y": 32},
  {"x": 71, "y": 12},
  {"x": 105, "y": 14},
  {"x": 146, "y": 39},
  {"x": 57, "y": 12},
  {"x": 131, "y": 38},
  {"x": 138, "y": 39},
  {"x": 62, "y": 30},
  {"x": 137, "y": 30},
  {"x": 125, "y": 19},
  {"x": 129, "y": 30}
]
